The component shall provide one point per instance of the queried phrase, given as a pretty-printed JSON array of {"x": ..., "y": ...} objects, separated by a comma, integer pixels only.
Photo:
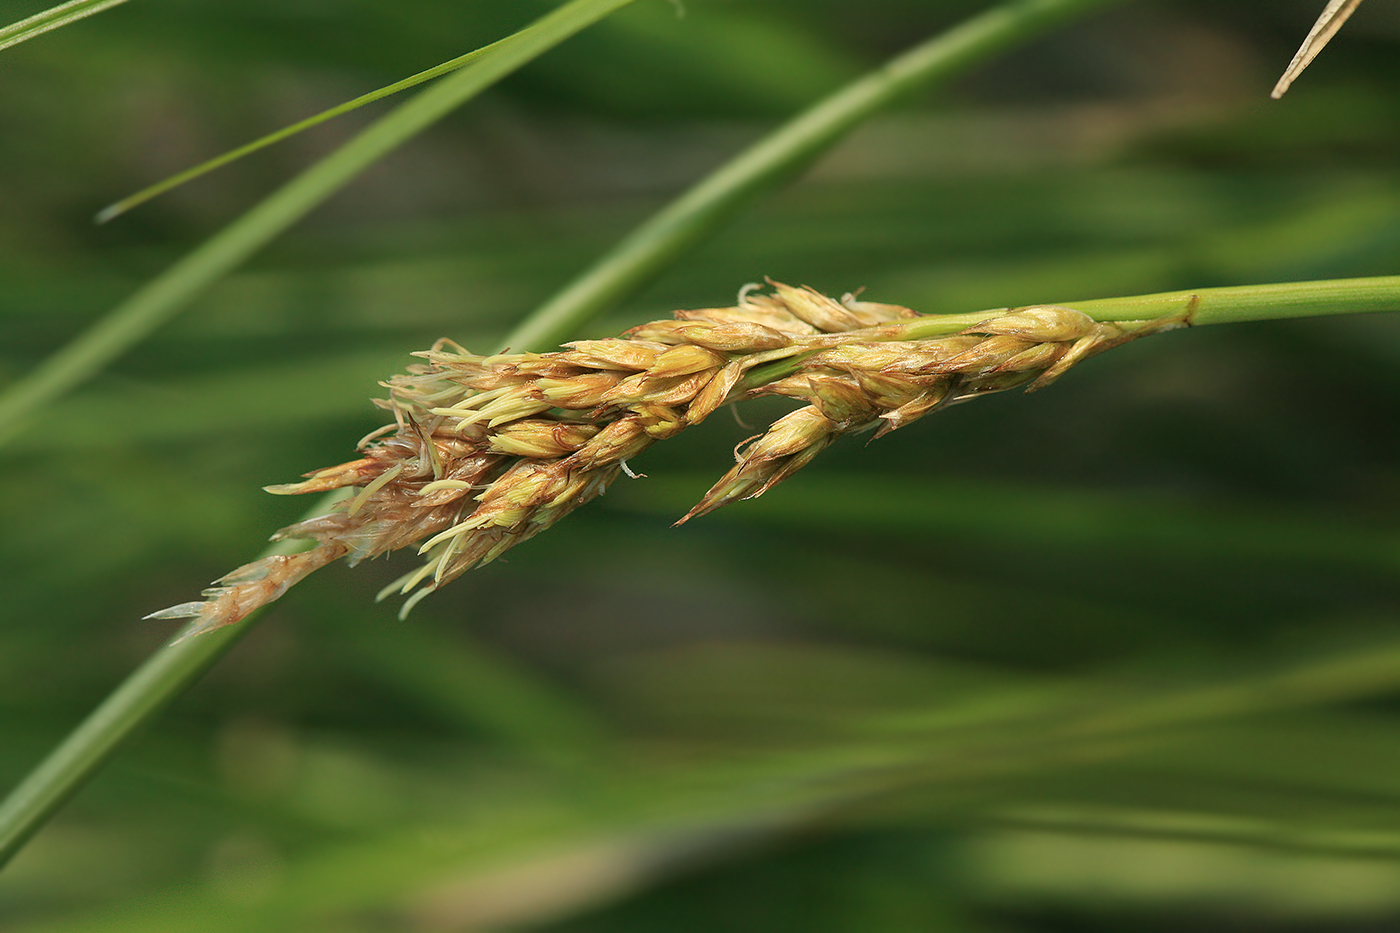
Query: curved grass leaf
[
  {"x": 52, "y": 18},
  {"x": 204, "y": 168}
]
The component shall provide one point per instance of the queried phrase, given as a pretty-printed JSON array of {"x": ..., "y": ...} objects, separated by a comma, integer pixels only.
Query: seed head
[{"x": 487, "y": 451}]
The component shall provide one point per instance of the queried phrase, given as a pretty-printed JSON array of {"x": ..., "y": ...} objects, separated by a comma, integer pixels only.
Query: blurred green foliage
[{"x": 1121, "y": 655}]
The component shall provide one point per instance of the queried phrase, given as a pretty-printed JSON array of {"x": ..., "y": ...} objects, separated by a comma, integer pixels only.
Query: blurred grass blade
[
  {"x": 1322, "y": 32},
  {"x": 52, "y": 18},
  {"x": 204, "y": 168},
  {"x": 1292, "y": 833},
  {"x": 160, "y": 299}
]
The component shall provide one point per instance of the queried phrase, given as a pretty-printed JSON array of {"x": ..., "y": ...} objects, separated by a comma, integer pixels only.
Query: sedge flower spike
[{"x": 487, "y": 451}]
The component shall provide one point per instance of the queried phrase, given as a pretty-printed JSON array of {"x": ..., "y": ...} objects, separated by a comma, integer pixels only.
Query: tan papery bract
[{"x": 487, "y": 451}]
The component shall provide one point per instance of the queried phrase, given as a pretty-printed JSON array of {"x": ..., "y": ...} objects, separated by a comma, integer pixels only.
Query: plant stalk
[{"x": 52, "y": 18}]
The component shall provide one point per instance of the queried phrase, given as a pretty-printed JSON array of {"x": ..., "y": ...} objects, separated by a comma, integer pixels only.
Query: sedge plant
[{"x": 485, "y": 450}]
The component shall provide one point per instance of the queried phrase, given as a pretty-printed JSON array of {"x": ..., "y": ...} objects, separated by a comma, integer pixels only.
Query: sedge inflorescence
[{"x": 487, "y": 451}]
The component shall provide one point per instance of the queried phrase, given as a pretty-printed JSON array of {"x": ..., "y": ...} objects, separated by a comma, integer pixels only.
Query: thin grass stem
[
  {"x": 112, "y": 211},
  {"x": 52, "y": 18},
  {"x": 1240, "y": 303},
  {"x": 141, "y": 696}
]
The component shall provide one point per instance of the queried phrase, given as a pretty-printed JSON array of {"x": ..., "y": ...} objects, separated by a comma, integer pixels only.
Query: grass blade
[
  {"x": 52, "y": 18},
  {"x": 174, "y": 181}
]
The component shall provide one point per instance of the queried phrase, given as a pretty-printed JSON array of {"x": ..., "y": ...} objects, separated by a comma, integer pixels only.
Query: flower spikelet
[{"x": 487, "y": 451}]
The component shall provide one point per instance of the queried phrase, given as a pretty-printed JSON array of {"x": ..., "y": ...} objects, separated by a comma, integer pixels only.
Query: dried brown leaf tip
[
  {"x": 1333, "y": 16},
  {"x": 487, "y": 451}
]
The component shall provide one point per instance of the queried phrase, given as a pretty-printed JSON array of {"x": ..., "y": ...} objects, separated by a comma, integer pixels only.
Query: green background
[{"x": 1119, "y": 655}]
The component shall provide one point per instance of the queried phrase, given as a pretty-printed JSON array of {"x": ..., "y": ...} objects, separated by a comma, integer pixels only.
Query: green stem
[
  {"x": 1239, "y": 303},
  {"x": 140, "y": 697},
  {"x": 1233, "y": 304},
  {"x": 52, "y": 18}
]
